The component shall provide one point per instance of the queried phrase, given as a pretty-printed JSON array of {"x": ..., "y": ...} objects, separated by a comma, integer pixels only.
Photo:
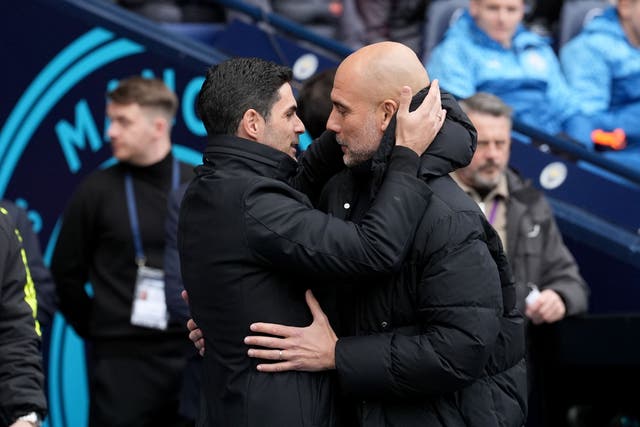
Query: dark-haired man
[{"x": 250, "y": 241}]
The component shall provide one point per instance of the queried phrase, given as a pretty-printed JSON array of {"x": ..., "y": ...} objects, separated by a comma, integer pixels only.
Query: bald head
[
  {"x": 379, "y": 70},
  {"x": 366, "y": 94}
]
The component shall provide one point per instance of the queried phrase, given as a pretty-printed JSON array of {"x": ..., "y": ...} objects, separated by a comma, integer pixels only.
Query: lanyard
[
  {"x": 494, "y": 208},
  {"x": 133, "y": 211}
]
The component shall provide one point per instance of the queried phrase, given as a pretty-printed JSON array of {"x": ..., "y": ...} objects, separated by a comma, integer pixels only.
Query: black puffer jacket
[
  {"x": 440, "y": 343},
  {"x": 248, "y": 245}
]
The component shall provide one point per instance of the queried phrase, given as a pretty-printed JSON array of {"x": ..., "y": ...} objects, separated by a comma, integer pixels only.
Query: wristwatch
[{"x": 32, "y": 417}]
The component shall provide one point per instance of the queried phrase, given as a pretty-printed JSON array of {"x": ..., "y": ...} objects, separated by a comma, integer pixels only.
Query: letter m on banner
[{"x": 74, "y": 137}]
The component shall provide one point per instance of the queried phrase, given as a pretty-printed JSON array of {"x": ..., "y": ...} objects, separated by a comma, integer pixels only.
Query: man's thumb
[
  {"x": 313, "y": 304},
  {"x": 405, "y": 99}
]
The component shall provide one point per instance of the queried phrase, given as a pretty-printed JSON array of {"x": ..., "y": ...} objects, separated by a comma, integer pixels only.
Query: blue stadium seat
[
  {"x": 575, "y": 14},
  {"x": 439, "y": 17}
]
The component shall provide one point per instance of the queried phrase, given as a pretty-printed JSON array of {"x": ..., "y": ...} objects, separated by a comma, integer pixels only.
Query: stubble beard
[
  {"x": 487, "y": 183},
  {"x": 354, "y": 157}
]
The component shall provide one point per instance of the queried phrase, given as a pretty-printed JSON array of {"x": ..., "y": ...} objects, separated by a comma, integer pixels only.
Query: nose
[
  {"x": 299, "y": 126},
  {"x": 502, "y": 14},
  {"x": 111, "y": 130},
  {"x": 333, "y": 122},
  {"x": 492, "y": 150}
]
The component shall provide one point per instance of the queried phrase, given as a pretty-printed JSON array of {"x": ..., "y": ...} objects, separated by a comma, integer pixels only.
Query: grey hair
[{"x": 486, "y": 103}]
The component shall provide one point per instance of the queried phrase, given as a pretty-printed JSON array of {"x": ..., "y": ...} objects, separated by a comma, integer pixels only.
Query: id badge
[{"x": 149, "y": 306}]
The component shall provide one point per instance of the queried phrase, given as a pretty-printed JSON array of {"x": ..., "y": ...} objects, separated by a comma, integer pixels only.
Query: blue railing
[
  {"x": 578, "y": 151},
  {"x": 287, "y": 26},
  {"x": 131, "y": 22}
]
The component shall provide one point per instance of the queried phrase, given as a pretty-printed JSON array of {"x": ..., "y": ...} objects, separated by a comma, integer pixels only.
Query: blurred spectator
[
  {"x": 22, "y": 400},
  {"x": 549, "y": 285},
  {"x": 112, "y": 235},
  {"x": 45, "y": 288},
  {"x": 396, "y": 20},
  {"x": 488, "y": 49},
  {"x": 521, "y": 216},
  {"x": 314, "y": 105},
  {"x": 602, "y": 65},
  {"x": 323, "y": 17},
  {"x": 175, "y": 11}
]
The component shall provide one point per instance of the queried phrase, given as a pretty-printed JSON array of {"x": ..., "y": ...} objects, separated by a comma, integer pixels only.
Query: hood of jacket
[{"x": 607, "y": 23}]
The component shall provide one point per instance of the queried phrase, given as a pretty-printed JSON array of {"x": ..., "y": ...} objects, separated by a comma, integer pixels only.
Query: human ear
[
  {"x": 160, "y": 125},
  {"x": 251, "y": 125},
  {"x": 388, "y": 109}
]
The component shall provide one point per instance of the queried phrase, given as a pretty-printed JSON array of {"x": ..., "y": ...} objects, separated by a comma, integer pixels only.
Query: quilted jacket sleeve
[
  {"x": 298, "y": 239},
  {"x": 459, "y": 304}
]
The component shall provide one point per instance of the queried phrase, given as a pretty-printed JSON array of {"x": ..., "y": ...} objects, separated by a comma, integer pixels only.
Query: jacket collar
[
  {"x": 260, "y": 158},
  {"x": 440, "y": 158},
  {"x": 608, "y": 23},
  {"x": 501, "y": 190}
]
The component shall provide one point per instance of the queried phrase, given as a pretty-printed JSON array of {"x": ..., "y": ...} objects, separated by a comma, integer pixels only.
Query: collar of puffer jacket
[{"x": 262, "y": 159}]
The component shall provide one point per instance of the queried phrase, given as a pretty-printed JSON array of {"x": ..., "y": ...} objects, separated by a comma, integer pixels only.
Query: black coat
[
  {"x": 248, "y": 244},
  {"x": 21, "y": 378},
  {"x": 440, "y": 343}
]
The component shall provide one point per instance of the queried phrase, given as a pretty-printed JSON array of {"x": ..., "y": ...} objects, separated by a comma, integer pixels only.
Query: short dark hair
[
  {"x": 486, "y": 103},
  {"x": 314, "y": 102},
  {"x": 150, "y": 93},
  {"x": 236, "y": 85}
]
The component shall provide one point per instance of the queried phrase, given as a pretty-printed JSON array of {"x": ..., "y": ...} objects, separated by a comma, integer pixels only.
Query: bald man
[
  {"x": 439, "y": 343},
  {"x": 250, "y": 241}
]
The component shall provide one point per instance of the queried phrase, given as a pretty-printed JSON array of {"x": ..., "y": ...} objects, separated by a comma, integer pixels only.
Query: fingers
[
  {"x": 552, "y": 310},
  {"x": 274, "y": 329},
  {"x": 435, "y": 91},
  {"x": 548, "y": 307},
  {"x": 441, "y": 117},
  {"x": 267, "y": 342},
  {"x": 195, "y": 335},
  {"x": 185, "y": 296},
  {"x": 191, "y": 325},
  {"x": 434, "y": 104},
  {"x": 276, "y": 367},
  {"x": 267, "y": 354}
]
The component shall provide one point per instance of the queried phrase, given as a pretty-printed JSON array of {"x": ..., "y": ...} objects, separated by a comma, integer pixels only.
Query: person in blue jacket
[
  {"x": 489, "y": 50},
  {"x": 602, "y": 65}
]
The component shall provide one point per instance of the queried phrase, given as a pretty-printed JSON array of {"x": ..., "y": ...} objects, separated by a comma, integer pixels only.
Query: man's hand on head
[{"x": 417, "y": 129}]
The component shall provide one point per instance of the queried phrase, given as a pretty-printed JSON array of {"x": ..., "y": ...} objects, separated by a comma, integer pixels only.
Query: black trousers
[{"x": 135, "y": 391}]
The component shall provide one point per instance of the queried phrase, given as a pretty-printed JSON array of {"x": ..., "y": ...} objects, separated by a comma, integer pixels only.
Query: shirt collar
[{"x": 500, "y": 191}]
